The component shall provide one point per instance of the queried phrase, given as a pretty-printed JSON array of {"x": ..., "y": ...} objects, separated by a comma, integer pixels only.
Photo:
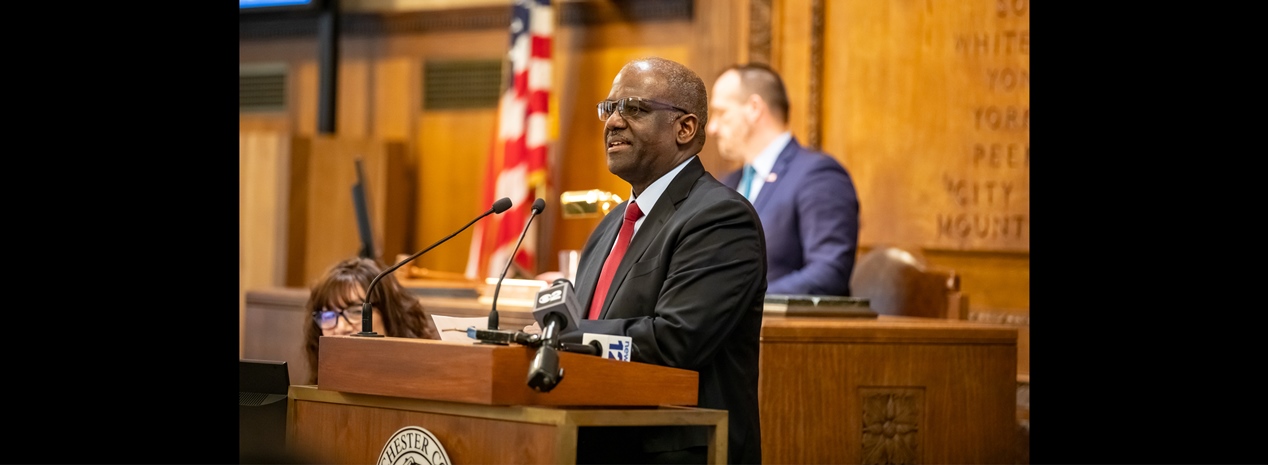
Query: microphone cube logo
[
  {"x": 614, "y": 347},
  {"x": 548, "y": 296},
  {"x": 619, "y": 350}
]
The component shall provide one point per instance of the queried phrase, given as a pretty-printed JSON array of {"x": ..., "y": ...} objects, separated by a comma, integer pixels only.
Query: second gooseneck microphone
[
  {"x": 538, "y": 206},
  {"x": 367, "y": 312}
]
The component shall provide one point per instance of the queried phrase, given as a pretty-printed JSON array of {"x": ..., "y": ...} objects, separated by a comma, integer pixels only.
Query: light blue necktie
[{"x": 746, "y": 179}]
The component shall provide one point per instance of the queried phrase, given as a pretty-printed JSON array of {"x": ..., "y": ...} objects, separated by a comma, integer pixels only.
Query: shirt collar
[
  {"x": 765, "y": 161},
  {"x": 653, "y": 191}
]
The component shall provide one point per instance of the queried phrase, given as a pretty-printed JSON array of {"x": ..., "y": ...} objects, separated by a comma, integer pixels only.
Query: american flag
[{"x": 517, "y": 158}]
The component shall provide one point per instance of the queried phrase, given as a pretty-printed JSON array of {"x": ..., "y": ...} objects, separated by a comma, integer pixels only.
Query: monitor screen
[
  {"x": 361, "y": 204},
  {"x": 283, "y": 7},
  {"x": 271, "y": 3}
]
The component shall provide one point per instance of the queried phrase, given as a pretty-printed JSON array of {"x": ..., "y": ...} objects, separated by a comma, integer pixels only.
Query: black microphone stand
[
  {"x": 538, "y": 206},
  {"x": 367, "y": 309}
]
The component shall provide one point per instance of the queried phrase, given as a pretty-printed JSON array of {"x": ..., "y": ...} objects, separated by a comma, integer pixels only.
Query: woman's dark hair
[{"x": 343, "y": 285}]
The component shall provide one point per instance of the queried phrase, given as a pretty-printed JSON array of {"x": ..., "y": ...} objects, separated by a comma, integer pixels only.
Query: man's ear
[
  {"x": 687, "y": 127},
  {"x": 753, "y": 108}
]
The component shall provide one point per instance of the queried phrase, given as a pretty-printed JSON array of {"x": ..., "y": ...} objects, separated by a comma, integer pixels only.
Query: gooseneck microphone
[
  {"x": 538, "y": 206},
  {"x": 555, "y": 311},
  {"x": 367, "y": 312}
]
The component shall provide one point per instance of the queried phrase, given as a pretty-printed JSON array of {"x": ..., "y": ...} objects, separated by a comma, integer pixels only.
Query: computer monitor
[
  {"x": 262, "y": 392},
  {"x": 361, "y": 204}
]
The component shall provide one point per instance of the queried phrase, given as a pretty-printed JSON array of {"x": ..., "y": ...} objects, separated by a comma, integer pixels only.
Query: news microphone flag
[{"x": 516, "y": 166}]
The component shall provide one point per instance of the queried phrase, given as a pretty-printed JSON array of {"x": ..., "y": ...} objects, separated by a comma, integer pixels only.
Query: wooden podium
[{"x": 475, "y": 400}]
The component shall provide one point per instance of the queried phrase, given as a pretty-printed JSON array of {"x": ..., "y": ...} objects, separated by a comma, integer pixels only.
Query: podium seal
[{"x": 413, "y": 445}]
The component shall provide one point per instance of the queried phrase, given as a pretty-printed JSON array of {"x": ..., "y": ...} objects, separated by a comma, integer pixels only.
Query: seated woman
[{"x": 335, "y": 302}]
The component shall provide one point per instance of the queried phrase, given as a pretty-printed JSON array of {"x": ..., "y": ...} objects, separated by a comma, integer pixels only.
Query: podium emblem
[{"x": 413, "y": 445}]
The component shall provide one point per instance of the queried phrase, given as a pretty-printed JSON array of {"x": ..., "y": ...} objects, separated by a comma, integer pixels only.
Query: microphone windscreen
[
  {"x": 539, "y": 205},
  {"x": 560, "y": 299},
  {"x": 503, "y": 204}
]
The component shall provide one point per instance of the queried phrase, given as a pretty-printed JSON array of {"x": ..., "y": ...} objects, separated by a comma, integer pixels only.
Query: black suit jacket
[{"x": 689, "y": 294}]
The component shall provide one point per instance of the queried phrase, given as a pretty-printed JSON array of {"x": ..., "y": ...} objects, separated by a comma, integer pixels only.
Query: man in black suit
[{"x": 690, "y": 286}]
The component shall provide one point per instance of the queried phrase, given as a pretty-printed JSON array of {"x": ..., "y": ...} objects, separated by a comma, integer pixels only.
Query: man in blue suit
[{"x": 806, "y": 199}]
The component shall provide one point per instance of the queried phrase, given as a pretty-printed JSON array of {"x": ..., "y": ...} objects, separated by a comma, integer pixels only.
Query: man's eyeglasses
[
  {"x": 632, "y": 107},
  {"x": 328, "y": 319}
]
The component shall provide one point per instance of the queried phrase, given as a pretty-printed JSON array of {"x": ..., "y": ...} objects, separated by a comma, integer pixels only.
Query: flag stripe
[{"x": 517, "y": 158}]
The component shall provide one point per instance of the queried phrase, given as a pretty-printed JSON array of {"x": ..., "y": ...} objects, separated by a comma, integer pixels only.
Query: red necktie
[{"x": 632, "y": 214}]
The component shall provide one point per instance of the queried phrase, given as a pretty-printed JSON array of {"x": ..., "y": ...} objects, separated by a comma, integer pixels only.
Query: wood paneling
[
  {"x": 724, "y": 26},
  {"x": 450, "y": 147},
  {"x": 328, "y": 233},
  {"x": 887, "y": 390},
  {"x": 916, "y": 103},
  {"x": 451, "y": 179},
  {"x": 263, "y": 180},
  {"x": 932, "y": 115},
  {"x": 791, "y": 28}
]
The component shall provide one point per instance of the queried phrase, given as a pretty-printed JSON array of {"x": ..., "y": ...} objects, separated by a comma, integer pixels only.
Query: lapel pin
[{"x": 771, "y": 177}]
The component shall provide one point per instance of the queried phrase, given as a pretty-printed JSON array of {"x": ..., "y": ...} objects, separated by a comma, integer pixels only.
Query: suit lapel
[
  {"x": 608, "y": 229},
  {"x": 778, "y": 170},
  {"x": 665, "y": 207}
]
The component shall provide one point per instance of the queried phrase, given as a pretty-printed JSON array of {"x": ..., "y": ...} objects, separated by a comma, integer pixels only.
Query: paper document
[{"x": 454, "y": 329}]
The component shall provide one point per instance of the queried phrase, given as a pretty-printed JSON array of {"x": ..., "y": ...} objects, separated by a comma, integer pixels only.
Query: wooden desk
[{"x": 887, "y": 390}]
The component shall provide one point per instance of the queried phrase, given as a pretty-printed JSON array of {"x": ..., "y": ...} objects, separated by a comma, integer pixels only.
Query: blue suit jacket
[
  {"x": 810, "y": 212},
  {"x": 689, "y": 294}
]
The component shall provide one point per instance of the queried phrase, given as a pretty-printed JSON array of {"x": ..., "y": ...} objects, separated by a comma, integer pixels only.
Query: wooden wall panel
[
  {"x": 915, "y": 103},
  {"x": 790, "y": 54},
  {"x": 452, "y": 145},
  {"x": 932, "y": 114},
  {"x": 290, "y": 53},
  {"x": 724, "y": 24},
  {"x": 303, "y": 97},
  {"x": 330, "y": 232},
  {"x": 355, "y": 93},
  {"x": 451, "y": 176},
  {"x": 396, "y": 95},
  {"x": 263, "y": 185}
]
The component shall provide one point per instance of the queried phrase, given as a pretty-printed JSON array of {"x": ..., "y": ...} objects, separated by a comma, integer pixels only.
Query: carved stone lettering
[
  {"x": 1009, "y": 118},
  {"x": 1001, "y": 155},
  {"x": 998, "y": 43},
  {"x": 1007, "y": 79},
  {"x": 985, "y": 226}
]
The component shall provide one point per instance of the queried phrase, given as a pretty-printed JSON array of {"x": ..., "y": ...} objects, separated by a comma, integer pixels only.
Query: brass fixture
[{"x": 593, "y": 203}]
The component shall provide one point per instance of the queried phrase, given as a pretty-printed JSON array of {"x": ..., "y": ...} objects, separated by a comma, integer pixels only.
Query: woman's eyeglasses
[
  {"x": 632, "y": 107},
  {"x": 328, "y": 319}
]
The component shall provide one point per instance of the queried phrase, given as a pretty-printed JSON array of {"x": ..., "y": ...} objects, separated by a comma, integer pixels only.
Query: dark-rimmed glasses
[
  {"x": 632, "y": 107},
  {"x": 328, "y": 319}
]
